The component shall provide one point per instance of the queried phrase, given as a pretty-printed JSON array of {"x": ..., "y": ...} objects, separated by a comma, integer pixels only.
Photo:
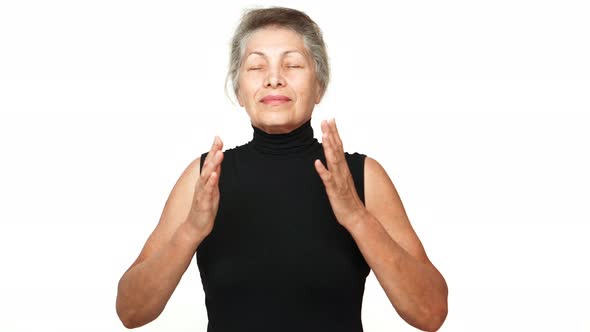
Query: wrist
[
  {"x": 190, "y": 235},
  {"x": 356, "y": 218}
]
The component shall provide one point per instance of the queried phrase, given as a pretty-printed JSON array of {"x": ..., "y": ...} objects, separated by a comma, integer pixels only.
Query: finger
[
  {"x": 211, "y": 183},
  {"x": 325, "y": 127},
  {"x": 327, "y": 150},
  {"x": 326, "y": 141},
  {"x": 336, "y": 143},
  {"x": 221, "y": 154},
  {"x": 217, "y": 145},
  {"x": 206, "y": 195},
  {"x": 335, "y": 134},
  {"x": 215, "y": 162},
  {"x": 333, "y": 157},
  {"x": 322, "y": 171},
  {"x": 214, "y": 145},
  {"x": 217, "y": 169},
  {"x": 212, "y": 164}
]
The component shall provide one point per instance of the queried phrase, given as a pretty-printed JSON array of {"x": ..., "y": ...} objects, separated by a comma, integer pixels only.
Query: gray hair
[{"x": 282, "y": 17}]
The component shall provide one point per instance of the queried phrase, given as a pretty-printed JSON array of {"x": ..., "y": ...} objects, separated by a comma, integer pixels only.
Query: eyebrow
[{"x": 264, "y": 55}]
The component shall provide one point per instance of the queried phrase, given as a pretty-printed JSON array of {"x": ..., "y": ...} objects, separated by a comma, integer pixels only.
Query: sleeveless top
[{"x": 277, "y": 259}]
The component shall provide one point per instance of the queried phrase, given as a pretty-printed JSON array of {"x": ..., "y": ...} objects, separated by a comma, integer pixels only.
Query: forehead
[{"x": 274, "y": 41}]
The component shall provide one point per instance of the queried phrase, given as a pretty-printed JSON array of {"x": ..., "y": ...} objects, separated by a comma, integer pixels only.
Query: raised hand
[
  {"x": 206, "y": 196},
  {"x": 345, "y": 202}
]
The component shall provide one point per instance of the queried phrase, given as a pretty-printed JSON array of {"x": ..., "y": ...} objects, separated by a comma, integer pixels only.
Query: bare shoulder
[
  {"x": 175, "y": 210},
  {"x": 383, "y": 201},
  {"x": 180, "y": 198},
  {"x": 378, "y": 183}
]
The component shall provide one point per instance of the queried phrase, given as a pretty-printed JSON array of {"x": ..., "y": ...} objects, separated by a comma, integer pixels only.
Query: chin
[{"x": 271, "y": 117}]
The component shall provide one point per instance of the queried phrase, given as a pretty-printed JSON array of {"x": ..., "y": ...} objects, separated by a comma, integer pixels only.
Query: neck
[{"x": 297, "y": 141}]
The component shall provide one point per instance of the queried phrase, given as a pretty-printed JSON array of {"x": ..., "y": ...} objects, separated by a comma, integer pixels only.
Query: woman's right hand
[{"x": 206, "y": 196}]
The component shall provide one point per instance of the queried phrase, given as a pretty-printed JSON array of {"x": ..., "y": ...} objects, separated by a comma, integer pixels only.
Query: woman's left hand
[{"x": 345, "y": 202}]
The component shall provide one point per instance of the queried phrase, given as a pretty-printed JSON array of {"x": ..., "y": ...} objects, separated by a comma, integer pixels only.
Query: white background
[{"x": 478, "y": 111}]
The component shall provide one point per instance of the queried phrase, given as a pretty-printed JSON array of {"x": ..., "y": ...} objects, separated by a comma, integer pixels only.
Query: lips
[{"x": 275, "y": 98}]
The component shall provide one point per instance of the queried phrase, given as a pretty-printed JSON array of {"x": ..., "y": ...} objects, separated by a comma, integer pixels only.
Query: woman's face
[{"x": 276, "y": 63}]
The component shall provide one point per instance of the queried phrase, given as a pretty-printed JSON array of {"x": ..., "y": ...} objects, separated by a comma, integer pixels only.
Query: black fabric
[{"x": 277, "y": 259}]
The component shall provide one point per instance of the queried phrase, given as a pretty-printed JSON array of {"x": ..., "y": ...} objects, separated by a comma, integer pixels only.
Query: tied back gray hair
[{"x": 282, "y": 17}]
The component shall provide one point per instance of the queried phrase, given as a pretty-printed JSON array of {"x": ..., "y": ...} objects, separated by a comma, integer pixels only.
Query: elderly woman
[{"x": 285, "y": 229}]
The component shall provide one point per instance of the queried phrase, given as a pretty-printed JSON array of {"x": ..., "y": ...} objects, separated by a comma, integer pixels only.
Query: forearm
[
  {"x": 144, "y": 290},
  {"x": 416, "y": 289}
]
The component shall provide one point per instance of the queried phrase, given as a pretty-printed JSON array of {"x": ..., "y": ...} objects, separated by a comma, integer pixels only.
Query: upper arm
[
  {"x": 175, "y": 211},
  {"x": 383, "y": 202}
]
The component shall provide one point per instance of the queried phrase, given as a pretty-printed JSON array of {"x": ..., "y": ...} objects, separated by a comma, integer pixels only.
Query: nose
[{"x": 274, "y": 78}]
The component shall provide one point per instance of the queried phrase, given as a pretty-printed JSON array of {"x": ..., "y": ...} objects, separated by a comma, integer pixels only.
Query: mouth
[{"x": 275, "y": 100}]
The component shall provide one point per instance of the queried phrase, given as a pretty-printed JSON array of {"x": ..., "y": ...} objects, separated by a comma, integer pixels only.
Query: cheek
[
  {"x": 245, "y": 90},
  {"x": 250, "y": 82},
  {"x": 304, "y": 87}
]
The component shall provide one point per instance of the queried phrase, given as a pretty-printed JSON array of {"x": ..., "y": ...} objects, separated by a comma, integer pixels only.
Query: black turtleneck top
[{"x": 277, "y": 259}]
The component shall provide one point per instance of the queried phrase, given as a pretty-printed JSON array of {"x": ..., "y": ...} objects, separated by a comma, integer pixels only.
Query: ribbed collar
[{"x": 296, "y": 142}]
